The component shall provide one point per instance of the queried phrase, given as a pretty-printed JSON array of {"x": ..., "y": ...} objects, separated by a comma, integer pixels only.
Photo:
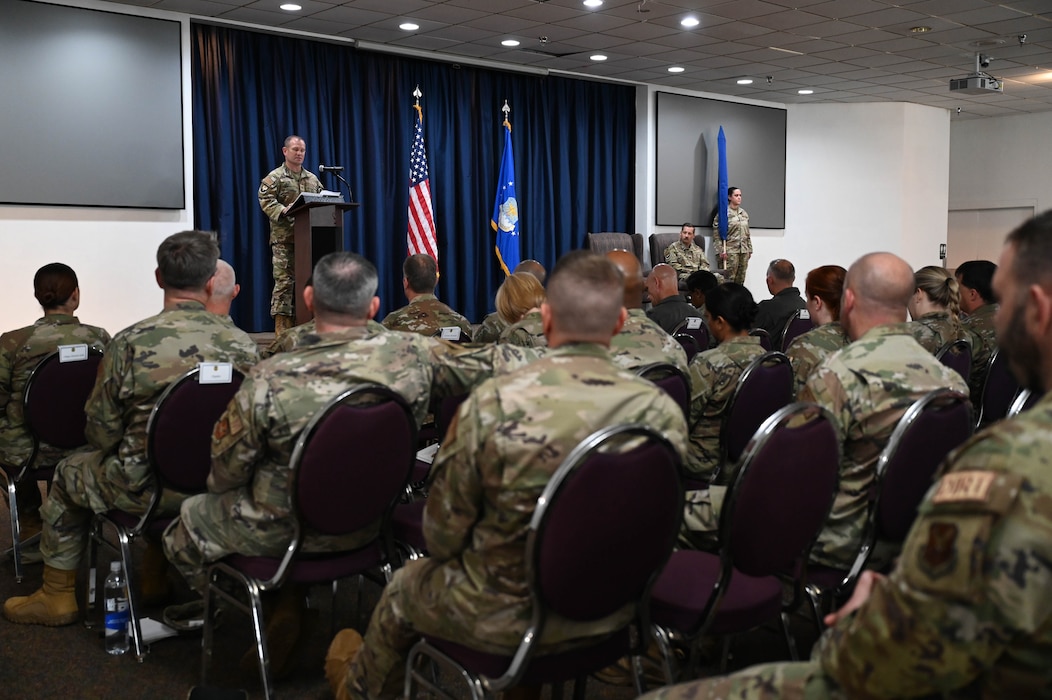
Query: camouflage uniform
[
  {"x": 425, "y": 315},
  {"x": 980, "y": 328},
  {"x": 642, "y": 342},
  {"x": 935, "y": 330},
  {"x": 490, "y": 329},
  {"x": 868, "y": 386},
  {"x": 20, "y": 352},
  {"x": 738, "y": 245},
  {"x": 713, "y": 376},
  {"x": 291, "y": 338},
  {"x": 965, "y": 613},
  {"x": 810, "y": 349},
  {"x": 279, "y": 189},
  {"x": 507, "y": 440},
  {"x": 139, "y": 364},
  {"x": 527, "y": 333},
  {"x": 685, "y": 259},
  {"x": 247, "y": 509}
]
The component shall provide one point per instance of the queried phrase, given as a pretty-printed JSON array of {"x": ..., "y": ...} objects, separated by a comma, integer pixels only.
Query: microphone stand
[{"x": 336, "y": 171}]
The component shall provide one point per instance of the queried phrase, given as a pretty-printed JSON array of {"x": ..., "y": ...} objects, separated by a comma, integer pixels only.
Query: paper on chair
[{"x": 428, "y": 453}]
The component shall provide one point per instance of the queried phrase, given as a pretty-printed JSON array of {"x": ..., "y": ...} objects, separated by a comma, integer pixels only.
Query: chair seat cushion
[
  {"x": 683, "y": 589},
  {"x": 309, "y": 567},
  {"x": 549, "y": 668},
  {"x": 407, "y": 524}
]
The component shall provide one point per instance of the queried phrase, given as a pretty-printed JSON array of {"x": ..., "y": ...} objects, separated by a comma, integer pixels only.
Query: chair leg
[
  {"x": 124, "y": 540},
  {"x": 665, "y": 646},
  {"x": 580, "y": 685},
  {"x": 725, "y": 654},
  {"x": 16, "y": 529},
  {"x": 258, "y": 630},
  {"x": 207, "y": 632},
  {"x": 790, "y": 641},
  {"x": 815, "y": 596}
]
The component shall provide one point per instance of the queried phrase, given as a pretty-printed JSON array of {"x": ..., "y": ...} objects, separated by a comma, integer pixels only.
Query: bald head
[
  {"x": 662, "y": 283},
  {"x": 876, "y": 290},
  {"x": 630, "y": 269},
  {"x": 224, "y": 289},
  {"x": 532, "y": 267}
]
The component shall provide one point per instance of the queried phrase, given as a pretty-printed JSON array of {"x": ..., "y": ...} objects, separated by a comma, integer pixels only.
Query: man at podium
[{"x": 278, "y": 190}]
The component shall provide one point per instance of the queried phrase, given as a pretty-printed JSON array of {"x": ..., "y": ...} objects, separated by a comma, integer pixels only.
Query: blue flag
[
  {"x": 505, "y": 219},
  {"x": 721, "y": 186}
]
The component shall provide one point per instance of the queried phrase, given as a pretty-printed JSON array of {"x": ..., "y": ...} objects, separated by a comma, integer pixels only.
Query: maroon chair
[
  {"x": 695, "y": 328},
  {"x": 765, "y": 339},
  {"x": 179, "y": 451},
  {"x": 1000, "y": 388},
  {"x": 671, "y": 380},
  {"x": 765, "y": 386},
  {"x": 350, "y": 465},
  {"x": 1023, "y": 401},
  {"x": 798, "y": 324},
  {"x": 931, "y": 428},
  {"x": 689, "y": 345},
  {"x": 53, "y": 414},
  {"x": 602, "y": 529},
  {"x": 957, "y": 355},
  {"x": 763, "y": 534}
]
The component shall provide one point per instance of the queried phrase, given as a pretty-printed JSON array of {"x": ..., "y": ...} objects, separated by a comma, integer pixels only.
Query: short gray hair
[{"x": 344, "y": 283}]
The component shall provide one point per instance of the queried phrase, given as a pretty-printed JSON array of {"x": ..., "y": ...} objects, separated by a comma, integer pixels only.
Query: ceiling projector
[{"x": 979, "y": 82}]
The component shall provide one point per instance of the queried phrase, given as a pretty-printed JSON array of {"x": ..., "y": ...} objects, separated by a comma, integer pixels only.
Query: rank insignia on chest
[{"x": 939, "y": 555}]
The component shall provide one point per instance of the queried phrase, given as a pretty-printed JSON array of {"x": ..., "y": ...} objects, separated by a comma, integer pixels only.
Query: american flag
[{"x": 422, "y": 237}]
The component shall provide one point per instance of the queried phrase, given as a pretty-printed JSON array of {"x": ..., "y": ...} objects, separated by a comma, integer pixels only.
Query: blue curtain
[{"x": 574, "y": 143}]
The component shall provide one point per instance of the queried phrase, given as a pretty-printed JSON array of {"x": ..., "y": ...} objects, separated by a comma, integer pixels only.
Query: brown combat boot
[
  {"x": 282, "y": 323},
  {"x": 54, "y": 605},
  {"x": 344, "y": 647},
  {"x": 155, "y": 588}
]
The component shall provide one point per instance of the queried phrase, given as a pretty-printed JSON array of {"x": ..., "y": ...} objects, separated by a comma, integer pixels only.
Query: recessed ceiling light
[
  {"x": 805, "y": 92},
  {"x": 676, "y": 69},
  {"x": 598, "y": 57},
  {"x": 290, "y": 7},
  {"x": 409, "y": 26},
  {"x": 920, "y": 30},
  {"x": 593, "y": 3},
  {"x": 510, "y": 42},
  {"x": 690, "y": 21},
  {"x": 745, "y": 81}
]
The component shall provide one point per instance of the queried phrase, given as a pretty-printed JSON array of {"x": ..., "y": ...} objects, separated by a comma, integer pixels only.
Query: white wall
[{"x": 112, "y": 250}]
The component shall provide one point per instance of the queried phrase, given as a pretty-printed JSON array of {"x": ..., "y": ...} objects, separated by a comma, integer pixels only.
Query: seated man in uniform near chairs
[
  {"x": 424, "y": 314},
  {"x": 668, "y": 308},
  {"x": 684, "y": 255},
  {"x": 772, "y": 314},
  {"x": 965, "y": 612},
  {"x": 56, "y": 287},
  {"x": 487, "y": 478}
]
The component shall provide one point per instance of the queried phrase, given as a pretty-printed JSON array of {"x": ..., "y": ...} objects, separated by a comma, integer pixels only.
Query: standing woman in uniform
[{"x": 734, "y": 253}]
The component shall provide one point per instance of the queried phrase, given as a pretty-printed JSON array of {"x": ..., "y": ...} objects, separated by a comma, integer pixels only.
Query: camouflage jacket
[
  {"x": 139, "y": 364},
  {"x": 686, "y": 259},
  {"x": 738, "y": 238},
  {"x": 425, "y": 314},
  {"x": 868, "y": 386},
  {"x": 279, "y": 189},
  {"x": 966, "y": 613},
  {"x": 713, "y": 377},
  {"x": 642, "y": 342},
  {"x": 490, "y": 329},
  {"x": 980, "y": 327},
  {"x": 20, "y": 352},
  {"x": 935, "y": 330},
  {"x": 527, "y": 333},
  {"x": 291, "y": 338},
  {"x": 508, "y": 439},
  {"x": 810, "y": 349}
]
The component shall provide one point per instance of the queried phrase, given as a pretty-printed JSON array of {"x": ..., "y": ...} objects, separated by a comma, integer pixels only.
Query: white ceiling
[{"x": 844, "y": 50}]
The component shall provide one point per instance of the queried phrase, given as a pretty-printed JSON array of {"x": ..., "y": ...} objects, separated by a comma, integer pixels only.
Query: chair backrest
[
  {"x": 694, "y": 327},
  {"x": 688, "y": 343},
  {"x": 1023, "y": 401},
  {"x": 659, "y": 241},
  {"x": 998, "y": 391},
  {"x": 54, "y": 397},
  {"x": 765, "y": 338},
  {"x": 798, "y": 324},
  {"x": 957, "y": 355},
  {"x": 796, "y": 450},
  {"x": 353, "y": 460},
  {"x": 765, "y": 386},
  {"x": 929, "y": 429},
  {"x": 671, "y": 380},
  {"x": 447, "y": 409},
  {"x": 603, "y": 243}
]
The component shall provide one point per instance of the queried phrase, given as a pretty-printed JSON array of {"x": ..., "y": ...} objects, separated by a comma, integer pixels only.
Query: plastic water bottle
[{"x": 116, "y": 611}]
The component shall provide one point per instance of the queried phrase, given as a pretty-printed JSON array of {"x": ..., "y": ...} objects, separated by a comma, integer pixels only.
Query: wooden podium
[{"x": 317, "y": 231}]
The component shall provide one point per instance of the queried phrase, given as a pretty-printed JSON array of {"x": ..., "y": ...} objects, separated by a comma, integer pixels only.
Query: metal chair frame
[
  {"x": 800, "y": 315},
  {"x": 952, "y": 350}
]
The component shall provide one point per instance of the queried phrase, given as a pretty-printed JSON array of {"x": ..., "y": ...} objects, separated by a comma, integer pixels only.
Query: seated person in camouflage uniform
[
  {"x": 640, "y": 342},
  {"x": 519, "y": 300},
  {"x": 714, "y": 374},
  {"x": 965, "y": 613},
  {"x": 487, "y": 478},
  {"x": 424, "y": 314},
  {"x": 684, "y": 255},
  {"x": 823, "y": 287},
  {"x": 55, "y": 286},
  {"x": 867, "y": 387},
  {"x": 935, "y": 308},
  {"x": 140, "y": 362},
  {"x": 493, "y": 325},
  {"x": 668, "y": 307},
  {"x": 773, "y": 314},
  {"x": 978, "y": 302}
]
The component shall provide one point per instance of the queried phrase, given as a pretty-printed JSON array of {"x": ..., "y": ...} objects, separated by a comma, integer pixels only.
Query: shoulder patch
[
  {"x": 227, "y": 429},
  {"x": 965, "y": 486}
]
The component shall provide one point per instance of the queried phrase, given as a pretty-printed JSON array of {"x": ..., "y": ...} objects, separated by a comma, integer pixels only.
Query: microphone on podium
[{"x": 330, "y": 168}]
